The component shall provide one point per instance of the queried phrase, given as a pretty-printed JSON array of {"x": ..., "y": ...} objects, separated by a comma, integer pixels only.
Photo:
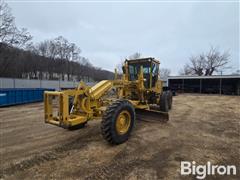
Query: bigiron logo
[{"x": 201, "y": 171}]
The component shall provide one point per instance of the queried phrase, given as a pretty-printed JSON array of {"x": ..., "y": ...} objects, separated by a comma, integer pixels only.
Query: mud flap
[{"x": 151, "y": 115}]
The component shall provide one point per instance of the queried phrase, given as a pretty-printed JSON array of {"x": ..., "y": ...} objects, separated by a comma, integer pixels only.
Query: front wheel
[{"x": 118, "y": 121}]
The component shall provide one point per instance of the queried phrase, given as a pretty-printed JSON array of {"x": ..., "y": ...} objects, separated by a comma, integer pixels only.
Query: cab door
[{"x": 154, "y": 74}]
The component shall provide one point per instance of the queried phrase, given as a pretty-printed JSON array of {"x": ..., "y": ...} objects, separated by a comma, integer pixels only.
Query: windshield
[{"x": 134, "y": 70}]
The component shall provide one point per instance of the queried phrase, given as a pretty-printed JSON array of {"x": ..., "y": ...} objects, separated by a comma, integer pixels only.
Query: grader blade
[{"x": 151, "y": 115}]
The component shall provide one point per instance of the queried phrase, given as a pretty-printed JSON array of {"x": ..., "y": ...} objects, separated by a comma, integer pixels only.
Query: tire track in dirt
[
  {"x": 135, "y": 154},
  {"x": 125, "y": 162},
  {"x": 56, "y": 153},
  {"x": 201, "y": 128}
]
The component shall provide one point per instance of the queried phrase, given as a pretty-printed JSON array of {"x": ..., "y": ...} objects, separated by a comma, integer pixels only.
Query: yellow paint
[
  {"x": 90, "y": 102},
  {"x": 123, "y": 122}
]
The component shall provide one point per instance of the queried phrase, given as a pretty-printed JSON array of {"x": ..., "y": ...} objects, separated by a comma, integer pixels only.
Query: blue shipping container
[{"x": 21, "y": 96}]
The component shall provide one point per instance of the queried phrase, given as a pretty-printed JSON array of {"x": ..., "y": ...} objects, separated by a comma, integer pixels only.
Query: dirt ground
[{"x": 201, "y": 128}]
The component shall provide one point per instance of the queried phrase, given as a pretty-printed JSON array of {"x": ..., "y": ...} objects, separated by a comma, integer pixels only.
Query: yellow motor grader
[{"x": 117, "y": 102}]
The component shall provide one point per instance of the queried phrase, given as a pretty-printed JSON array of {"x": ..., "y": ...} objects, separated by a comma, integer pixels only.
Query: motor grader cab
[
  {"x": 137, "y": 94},
  {"x": 150, "y": 71}
]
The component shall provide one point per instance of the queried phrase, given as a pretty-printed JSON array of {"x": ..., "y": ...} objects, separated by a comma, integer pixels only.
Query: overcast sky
[{"x": 109, "y": 32}]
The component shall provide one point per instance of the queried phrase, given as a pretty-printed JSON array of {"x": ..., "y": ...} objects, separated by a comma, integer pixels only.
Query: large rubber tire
[
  {"x": 170, "y": 99},
  {"x": 109, "y": 121},
  {"x": 164, "y": 102}
]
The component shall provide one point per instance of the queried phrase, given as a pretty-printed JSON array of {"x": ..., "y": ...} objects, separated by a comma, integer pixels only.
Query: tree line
[
  {"x": 50, "y": 59},
  {"x": 18, "y": 63}
]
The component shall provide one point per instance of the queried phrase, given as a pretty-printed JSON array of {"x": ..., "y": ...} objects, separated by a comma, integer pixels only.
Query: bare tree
[
  {"x": 215, "y": 61},
  {"x": 9, "y": 33},
  {"x": 119, "y": 66},
  {"x": 136, "y": 55},
  {"x": 164, "y": 73},
  {"x": 196, "y": 66},
  {"x": 62, "y": 51},
  {"x": 206, "y": 63},
  {"x": 10, "y": 36},
  {"x": 29, "y": 64},
  {"x": 42, "y": 61}
]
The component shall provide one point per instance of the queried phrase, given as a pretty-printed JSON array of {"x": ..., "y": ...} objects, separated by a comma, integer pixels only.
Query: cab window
[{"x": 146, "y": 70}]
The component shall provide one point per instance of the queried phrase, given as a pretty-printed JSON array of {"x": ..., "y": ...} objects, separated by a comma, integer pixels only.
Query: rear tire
[
  {"x": 164, "y": 102},
  {"x": 170, "y": 99},
  {"x": 118, "y": 121}
]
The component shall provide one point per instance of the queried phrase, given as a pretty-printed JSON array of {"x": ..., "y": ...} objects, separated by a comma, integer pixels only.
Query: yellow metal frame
[
  {"x": 89, "y": 103},
  {"x": 63, "y": 117}
]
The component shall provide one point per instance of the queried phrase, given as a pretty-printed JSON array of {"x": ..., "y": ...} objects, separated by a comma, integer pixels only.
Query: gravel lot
[{"x": 201, "y": 128}]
